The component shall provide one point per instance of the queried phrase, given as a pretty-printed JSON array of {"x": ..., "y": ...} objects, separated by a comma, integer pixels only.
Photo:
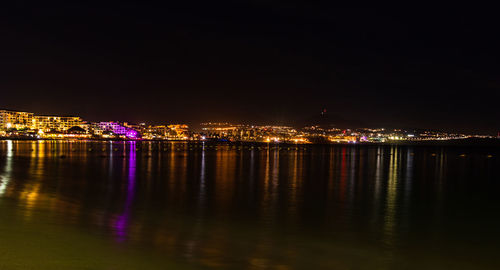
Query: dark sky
[{"x": 253, "y": 61}]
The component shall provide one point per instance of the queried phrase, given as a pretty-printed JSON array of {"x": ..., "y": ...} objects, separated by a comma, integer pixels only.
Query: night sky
[{"x": 264, "y": 62}]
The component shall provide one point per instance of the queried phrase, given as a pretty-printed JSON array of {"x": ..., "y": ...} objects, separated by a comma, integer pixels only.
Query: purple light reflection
[{"x": 122, "y": 222}]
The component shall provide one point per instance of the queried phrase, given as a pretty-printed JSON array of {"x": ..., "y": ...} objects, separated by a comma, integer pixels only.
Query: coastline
[{"x": 493, "y": 142}]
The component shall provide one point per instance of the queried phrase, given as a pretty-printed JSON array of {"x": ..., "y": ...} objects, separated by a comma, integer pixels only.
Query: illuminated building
[
  {"x": 119, "y": 129},
  {"x": 163, "y": 132},
  {"x": 141, "y": 128},
  {"x": 343, "y": 139},
  {"x": 178, "y": 131},
  {"x": 156, "y": 132},
  {"x": 16, "y": 119},
  {"x": 252, "y": 133},
  {"x": 58, "y": 123}
]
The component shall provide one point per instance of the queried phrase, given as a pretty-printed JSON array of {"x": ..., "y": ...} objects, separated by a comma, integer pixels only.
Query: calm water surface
[{"x": 133, "y": 205}]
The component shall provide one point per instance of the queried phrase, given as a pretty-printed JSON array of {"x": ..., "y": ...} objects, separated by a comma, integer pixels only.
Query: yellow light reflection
[
  {"x": 390, "y": 209},
  {"x": 30, "y": 196}
]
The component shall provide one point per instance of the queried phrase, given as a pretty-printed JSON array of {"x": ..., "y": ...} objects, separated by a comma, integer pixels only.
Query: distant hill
[{"x": 325, "y": 119}]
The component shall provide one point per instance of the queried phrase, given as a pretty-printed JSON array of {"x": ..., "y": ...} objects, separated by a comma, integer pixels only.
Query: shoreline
[{"x": 494, "y": 142}]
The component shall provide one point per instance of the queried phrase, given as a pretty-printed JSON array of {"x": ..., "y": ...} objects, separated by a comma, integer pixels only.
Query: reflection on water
[
  {"x": 121, "y": 223},
  {"x": 5, "y": 176},
  {"x": 261, "y": 206}
]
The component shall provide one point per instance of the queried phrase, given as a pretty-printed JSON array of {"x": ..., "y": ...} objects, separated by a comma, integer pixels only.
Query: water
[{"x": 126, "y": 205}]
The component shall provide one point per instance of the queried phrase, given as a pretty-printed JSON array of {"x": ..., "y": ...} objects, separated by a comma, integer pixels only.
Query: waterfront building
[
  {"x": 178, "y": 132},
  {"x": 58, "y": 123},
  {"x": 118, "y": 129},
  {"x": 156, "y": 132},
  {"x": 141, "y": 127},
  {"x": 16, "y": 119},
  {"x": 251, "y": 133}
]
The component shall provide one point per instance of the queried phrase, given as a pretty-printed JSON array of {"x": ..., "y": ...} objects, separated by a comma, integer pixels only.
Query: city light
[{"x": 18, "y": 124}]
